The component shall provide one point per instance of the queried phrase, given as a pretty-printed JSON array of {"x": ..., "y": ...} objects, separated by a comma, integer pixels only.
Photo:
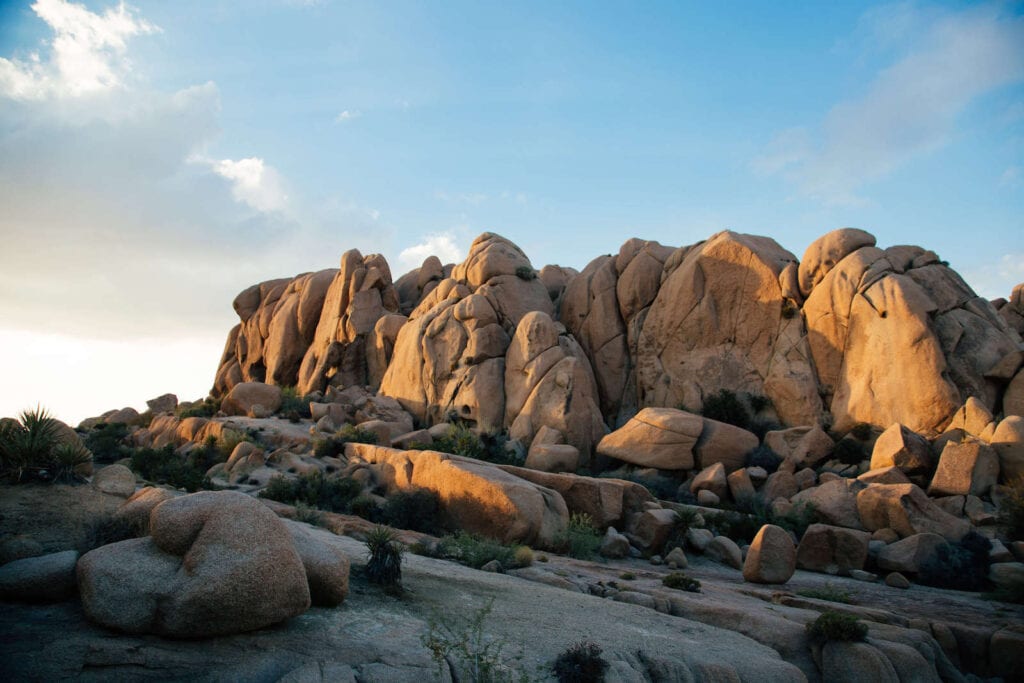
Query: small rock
[
  {"x": 861, "y": 575},
  {"x": 493, "y": 566},
  {"x": 757, "y": 474},
  {"x": 656, "y": 560},
  {"x": 698, "y": 539},
  {"x": 677, "y": 559},
  {"x": 724, "y": 550},
  {"x": 614, "y": 544},
  {"x": 117, "y": 480},
  {"x": 707, "y": 498},
  {"x": 999, "y": 552},
  {"x": 771, "y": 557},
  {"x": 896, "y": 580}
]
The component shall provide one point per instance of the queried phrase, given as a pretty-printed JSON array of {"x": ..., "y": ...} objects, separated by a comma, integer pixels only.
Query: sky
[{"x": 156, "y": 158}]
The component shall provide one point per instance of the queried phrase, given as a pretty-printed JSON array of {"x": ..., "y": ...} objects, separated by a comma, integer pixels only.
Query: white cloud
[
  {"x": 441, "y": 245},
  {"x": 88, "y": 53},
  {"x": 253, "y": 183},
  {"x": 347, "y": 115},
  {"x": 997, "y": 280},
  {"x": 910, "y": 108}
]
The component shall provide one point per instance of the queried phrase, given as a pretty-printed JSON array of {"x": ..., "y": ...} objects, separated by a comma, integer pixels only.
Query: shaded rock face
[{"x": 897, "y": 336}]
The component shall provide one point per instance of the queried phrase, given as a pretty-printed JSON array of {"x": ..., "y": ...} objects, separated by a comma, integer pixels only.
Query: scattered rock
[
  {"x": 676, "y": 559},
  {"x": 614, "y": 545},
  {"x": 244, "y": 395},
  {"x": 906, "y": 509},
  {"x": 832, "y": 550},
  {"x": 724, "y": 550},
  {"x": 45, "y": 578},
  {"x": 663, "y": 438},
  {"x": 908, "y": 554},
  {"x": 771, "y": 557},
  {"x": 901, "y": 448},
  {"x": 971, "y": 467},
  {"x": 117, "y": 480}
]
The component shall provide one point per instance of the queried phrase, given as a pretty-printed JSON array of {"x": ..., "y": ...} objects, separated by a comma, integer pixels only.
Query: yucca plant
[
  {"x": 385, "y": 565},
  {"x": 27, "y": 446}
]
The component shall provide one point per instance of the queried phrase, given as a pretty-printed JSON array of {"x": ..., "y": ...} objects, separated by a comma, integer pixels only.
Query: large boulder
[
  {"x": 897, "y": 336},
  {"x": 1008, "y": 442},
  {"x": 117, "y": 480},
  {"x": 966, "y": 468},
  {"x": 478, "y": 496},
  {"x": 805, "y": 446},
  {"x": 906, "y": 509},
  {"x": 549, "y": 383},
  {"x": 326, "y": 567},
  {"x": 834, "y": 502},
  {"x": 902, "y": 448},
  {"x": 215, "y": 563},
  {"x": 771, "y": 557},
  {"x": 906, "y": 555},
  {"x": 663, "y": 438},
  {"x": 832, "y": 549},
  {"x": 727, "y": 317},
  {"x": 824, "y": 253},
  {"x": 244, "y": 395}
]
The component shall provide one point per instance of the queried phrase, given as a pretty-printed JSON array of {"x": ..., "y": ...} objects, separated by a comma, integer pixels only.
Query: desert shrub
[
  {"x": 680, "y": 581},
  {"x": 726, "y": 406},
  {"x": 164, "y": 466},
  {"x": 462, "y": 440},
  {"x": 333, "y": 446},
  {"x": 107, "y": 442},
  {"x": 143, "y": 420},
  {"x": 463, "y": 644},
  {"x": 627, "y": 576},
  {"x": 368, "y": 508},
  {"x": 849, "y": 452},
  {"x": 292, "y": 402},
  {"x": 523, "y": 556},
  {"x": 475, "y": 551},
  {"x": 415, "y": 509},
  {"x": 581, "y": 538},
  {"x": 208, "y": 407},
  {"x": 526, "y": 273},
  {"x": 677, "y": 536},
  {"x": 1009, "y": 593},
  {"x": 27, "y": 446},
  {"x": 229, "y": 439},
  {"x": 66, "y": 459},
  {"x": 836, "y": 626},
  {"x": 750, "y": 513},
  {"x": 790, "y": 309},
  {"x": 333, "y": 494},
  {"x": 960, "y": 566},
  {"x": 384, "y": 565},
  {"x": 762, "y": 425},
  {"x": 1011, "y": 511},
  {"x": 304, "y": 513},
  {"x": 827, "y": 592},
  {"x": 861, "y": 431},
  {"x": 663, "y": 488},
  {"x": 765, "y": 457},
  {"x": 580, "y": 663}
]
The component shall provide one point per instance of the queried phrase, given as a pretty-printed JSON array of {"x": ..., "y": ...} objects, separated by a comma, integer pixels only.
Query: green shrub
[
  {"x": 208, "y": 407},
  {"x": 415, "y": 509},
  {"x": 827, "y": 592},
  {"x": 475, "y": 551},
  {"x": 110, "y": 528},
  {"x": 581, "y": 538},
  {"x": 960, "y": 566},
  {"x": 27, "y": 446},
  {"x": 680, "y": 581},
  {"x": 107, "y": 442},
  {"x": 384, "y": 566},
  {"x": 764, "y": 457},
  {"x": 164, "y": 466},
  {"x": 661, "y": 487},
  {"x": 580, "y": 663},
  {"x": 304, "y": 513},
  {"x": 367, "y": 507},
  {"x": 849, "y": 452},
  {"x": 523, "y": 556},
  {"x": 526, "y": 273},
  {"x": 836, "y": 626},
  {"x": 627, "y": 576},
  {"x": 333, "y": 494},
  {"x": 751, "y": 513},
  {"x": 292, "y": 402},
  {"x": 726, "y": 406},
  {"x": 229, "y": 440},
  {"x": 334, "y": 446},
  {"x": 1011, "y": 511}
]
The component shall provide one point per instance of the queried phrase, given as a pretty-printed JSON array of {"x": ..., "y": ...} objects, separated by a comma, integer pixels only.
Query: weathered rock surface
[
  {"x": 902, "y": 448},
  {"x": 216, "y": 563},
  {"x": 46, "y": 578},
  {"x": 896, "y": 336},
  {"x": 115, "y": 479},
  {"x": 832, "y": 550},
  {"x": 906, "y": 509},
  {"x": 479, "y": 497},
  {"x": 907, "y": 555},
  {"x": 805, "y": 446},
  {"x": 1008, "y": 442},
  {"x": 771, "y": 557},
  {"x": 244, "y": 395},
  {"x": 967, "y": 468}
]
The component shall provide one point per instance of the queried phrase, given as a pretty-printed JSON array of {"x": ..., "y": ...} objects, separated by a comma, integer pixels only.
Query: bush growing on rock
[
  {"x": 581, "y": 662},
  {"x": 827, "y": 592},
  {"x": 111, "y": 528},
  {"x": 960, "y": 566},
  {"x": 334, "y": 446},
  {"x": 726, "y": 406},
  {"x": 164, "y": 466},
  {"x": 680, "y": 581},
  {"x": 293, "y": 405},
  {"x": 107, "y": 442},
  {"x": 334, "y": 494},
  {"x": 526, "y": 273},
  {"x": 462, "y": 440},
  {"x": 208, "y": 407},
  {"x": 475, "y": 551},
  {"x": 463, "y": 644},
  {"x": 836, "y": 626},
  {"x": 581, "y": 538},
  {"x": 385, "y": 558},
  {"x": 415, "y": 509}
]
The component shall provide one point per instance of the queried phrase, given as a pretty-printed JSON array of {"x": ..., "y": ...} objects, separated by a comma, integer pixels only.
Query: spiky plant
[
  {"x": 385, "y": 561},
  {"x": 27, "y": 446}
]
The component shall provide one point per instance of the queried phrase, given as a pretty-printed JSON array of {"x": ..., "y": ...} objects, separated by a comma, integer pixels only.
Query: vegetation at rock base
[
  {"x": 726, "y": 406},
  {"x": 960, "y": 566},
  {"x": 164, "y": 466},
  {"x": 107, "y": 442},
  {"x": 827, "y": 592},
  {"x": 763, "y": 457},
  {"x": 661, "y": 487},
  {"x": 464, "y": 644},
  {"x": 581, "y": 662},
  {"x": 334, "y": 446},
  {"x": 208, "y": 407},
  {"x": 836, "y": 626},
  {"x": 384, "y": 566},
  {"x": 849, "y": 452},
  {"x": 293, "y": 406},
  {"x": 680, "y": 581},
  {"x": 473, "y": 550},
  {"x": 581, "y": 538},
  {"x": 523, "y": 556},
  {"x": 751, "y": 513},
  {"x": 415, "y": 509},
  {"x": 110, "y": 528},
  {"x": 462, "y": 440},
  {"x": 33, "y": 449},
  {"x": 314, "y": 489}
]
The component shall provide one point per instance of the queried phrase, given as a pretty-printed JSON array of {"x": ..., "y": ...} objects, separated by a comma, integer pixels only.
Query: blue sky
[{"x": 156, "y": 158}]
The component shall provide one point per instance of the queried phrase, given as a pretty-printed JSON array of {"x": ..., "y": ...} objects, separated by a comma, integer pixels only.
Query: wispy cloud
[
  {"x": 997, "y": 279},
  {"x": 347, "y": 115},
  {"x": 88, "y": 53},
  {"x": 441, "y": 245},
  {"x": 254, "y": 183},
  {"x": 911, "y": 106}
]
